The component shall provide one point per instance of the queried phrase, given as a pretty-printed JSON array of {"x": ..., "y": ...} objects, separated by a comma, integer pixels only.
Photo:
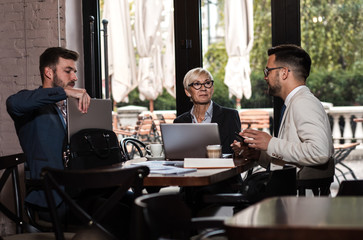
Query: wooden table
[
  {"x": 299, "y": 218},
  {"x": 202, "y": 177},
  {"x": 345, "y": 146},
  {"x": 194, "y": 181}
]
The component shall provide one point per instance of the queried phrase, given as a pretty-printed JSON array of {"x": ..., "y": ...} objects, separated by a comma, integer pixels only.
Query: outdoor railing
[{"x": 344, "y": 129}]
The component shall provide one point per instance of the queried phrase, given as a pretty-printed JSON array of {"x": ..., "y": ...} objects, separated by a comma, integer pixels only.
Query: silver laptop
[
  {"x": 99, "y": 115},
  {"x": 186, "y": 140}
]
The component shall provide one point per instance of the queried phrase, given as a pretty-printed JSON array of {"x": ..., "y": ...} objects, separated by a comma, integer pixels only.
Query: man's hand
[
  {"x": 81, "y": 94},
  {"x": 256, "y": 139},
  {"x": 243, "y": 151},
  {"x": 237, "y": 148}
]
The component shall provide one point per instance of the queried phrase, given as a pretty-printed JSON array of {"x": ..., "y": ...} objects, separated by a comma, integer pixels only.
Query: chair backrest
[
  {"x": 165, "y": 215},
  {"x": 128, "y": 146},
  {"x": 10, "y": 166},
  {"x": 351, "y": 188},
  {"x": 261, "y": 185},
  {"x": 282, "y": 182},
  {"x": 319, "y": 187},
  {"x": 168, "y": 117},
  {"x": 117, "y": 179}
]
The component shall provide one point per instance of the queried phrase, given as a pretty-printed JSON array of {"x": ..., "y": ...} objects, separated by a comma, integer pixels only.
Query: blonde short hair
[{"x": 193, "y": 74}]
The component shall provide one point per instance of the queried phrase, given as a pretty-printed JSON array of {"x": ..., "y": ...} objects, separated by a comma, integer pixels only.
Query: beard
[
  {"x": 276, "y": 89},
  {"x": 59, "y": 83}
]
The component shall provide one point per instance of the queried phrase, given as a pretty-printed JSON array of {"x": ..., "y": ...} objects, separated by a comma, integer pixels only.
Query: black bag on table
[{"x": 92, "y": 148}]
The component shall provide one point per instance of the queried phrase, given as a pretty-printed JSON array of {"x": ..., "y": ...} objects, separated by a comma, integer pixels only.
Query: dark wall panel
[
  {"x": 92, "y": 49},
  {"x": 285, "y": 20},
  {"x": 188, "y": 46}
]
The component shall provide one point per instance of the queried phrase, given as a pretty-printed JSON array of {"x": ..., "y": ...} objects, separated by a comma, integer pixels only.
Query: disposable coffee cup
[{"x": 214, "y": 151}]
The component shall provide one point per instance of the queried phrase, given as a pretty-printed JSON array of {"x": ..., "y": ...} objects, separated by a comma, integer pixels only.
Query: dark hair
[
  {"x": 295, "y": 57},
  {"x": 50, "y": 58}
]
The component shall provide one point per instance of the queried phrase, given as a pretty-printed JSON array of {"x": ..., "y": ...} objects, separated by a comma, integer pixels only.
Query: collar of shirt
[
  {"x": 208, "y": 114},
  {"x": 292, "y": 93},
  {"x": 62, "y": 105}
]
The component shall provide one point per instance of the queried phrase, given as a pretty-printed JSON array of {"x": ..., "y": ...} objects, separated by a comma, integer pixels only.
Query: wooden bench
[
  {"x": 255, "y": 119},
  {"x": 168, "y": 117}
]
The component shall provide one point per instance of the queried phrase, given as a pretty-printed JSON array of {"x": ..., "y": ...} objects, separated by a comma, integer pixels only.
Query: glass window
[
  {"x": 141, "y": 52},
  {"x": 215, "y": 56},
  {"x": 331, "y": 31}
]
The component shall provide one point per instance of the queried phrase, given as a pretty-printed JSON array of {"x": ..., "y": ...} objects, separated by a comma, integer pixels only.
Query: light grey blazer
[{"x": 304, "y": 138}]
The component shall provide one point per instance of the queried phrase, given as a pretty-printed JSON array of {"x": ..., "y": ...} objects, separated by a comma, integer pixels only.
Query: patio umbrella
[
  {"x": 239, "y": 42},
  {"x": 149, "y": 43},
  {"x": 169, "y": 56},
  {"x": 122, "y": 64}
]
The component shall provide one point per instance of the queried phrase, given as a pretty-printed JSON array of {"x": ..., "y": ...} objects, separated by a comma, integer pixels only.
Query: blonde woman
[{"x": 199, "y": 87}]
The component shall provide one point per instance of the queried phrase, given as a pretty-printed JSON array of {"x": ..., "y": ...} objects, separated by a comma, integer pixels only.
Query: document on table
[
  {"x": 208, "y": 163},
  {"x": 166, "y": 167}
]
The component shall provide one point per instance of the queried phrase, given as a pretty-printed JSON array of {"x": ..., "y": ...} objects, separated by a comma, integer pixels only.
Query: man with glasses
[
  {"x": 304, "y": 138},
  {"x": 198, "y": 86}
]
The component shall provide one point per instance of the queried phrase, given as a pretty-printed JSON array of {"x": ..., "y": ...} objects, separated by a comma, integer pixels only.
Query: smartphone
[{"x": 239, "y": 138}]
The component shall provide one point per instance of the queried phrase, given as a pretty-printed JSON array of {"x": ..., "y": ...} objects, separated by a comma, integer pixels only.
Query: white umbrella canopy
[
  {"x": 169, "y": 56},
  {"x": 122, "y": 63},
  {"x": 149, "y": 43},
  {"x": 239, "y": 42}
]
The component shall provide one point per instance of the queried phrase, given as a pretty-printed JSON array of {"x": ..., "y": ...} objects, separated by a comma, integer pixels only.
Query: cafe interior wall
[{"x": 27, "y": 28}]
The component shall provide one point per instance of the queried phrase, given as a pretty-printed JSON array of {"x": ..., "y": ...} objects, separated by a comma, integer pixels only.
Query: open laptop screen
[
  {"x": 188, "y": 140},
  {"x": 99, "y": 115}
]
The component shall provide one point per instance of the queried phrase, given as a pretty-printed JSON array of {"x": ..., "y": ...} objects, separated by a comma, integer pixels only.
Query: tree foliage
[
  {"x": 216, "y": 58},
  {"x": 331, "y": 31}
]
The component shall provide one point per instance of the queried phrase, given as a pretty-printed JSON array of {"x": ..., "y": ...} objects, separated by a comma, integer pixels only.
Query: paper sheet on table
[
  {"x": 166, "y": 167},
  {"x": 208, "y": 163}
]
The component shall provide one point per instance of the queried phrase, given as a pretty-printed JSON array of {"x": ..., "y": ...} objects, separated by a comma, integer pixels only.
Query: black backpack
[{"x": 92, "y": 148}]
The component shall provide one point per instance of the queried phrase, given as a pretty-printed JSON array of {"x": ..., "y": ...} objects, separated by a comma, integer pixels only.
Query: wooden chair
[
  {"x": 168, "y": 117},
  {"x": 116, "y": 128},
  {"x": 119, "y": 180},
  {"x": 24, "y": 230},
  {"x": 10, "y": 166},
  {"x": 256, "y": 119},
  {"x": 166, "y": 216}
]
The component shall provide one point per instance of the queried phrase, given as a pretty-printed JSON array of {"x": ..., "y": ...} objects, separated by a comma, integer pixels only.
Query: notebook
[
  {"x": 188, "y": 140},
  {"x": 99, "y": 115}
]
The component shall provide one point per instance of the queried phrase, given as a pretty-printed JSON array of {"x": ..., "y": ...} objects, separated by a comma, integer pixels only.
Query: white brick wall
[{"x": 27, "y": 28}]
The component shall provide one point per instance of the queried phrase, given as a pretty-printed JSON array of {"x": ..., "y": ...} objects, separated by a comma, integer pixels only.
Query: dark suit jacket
[
  {"x": 41, "y": 130},
  {"x": 228, "y": 122}
]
